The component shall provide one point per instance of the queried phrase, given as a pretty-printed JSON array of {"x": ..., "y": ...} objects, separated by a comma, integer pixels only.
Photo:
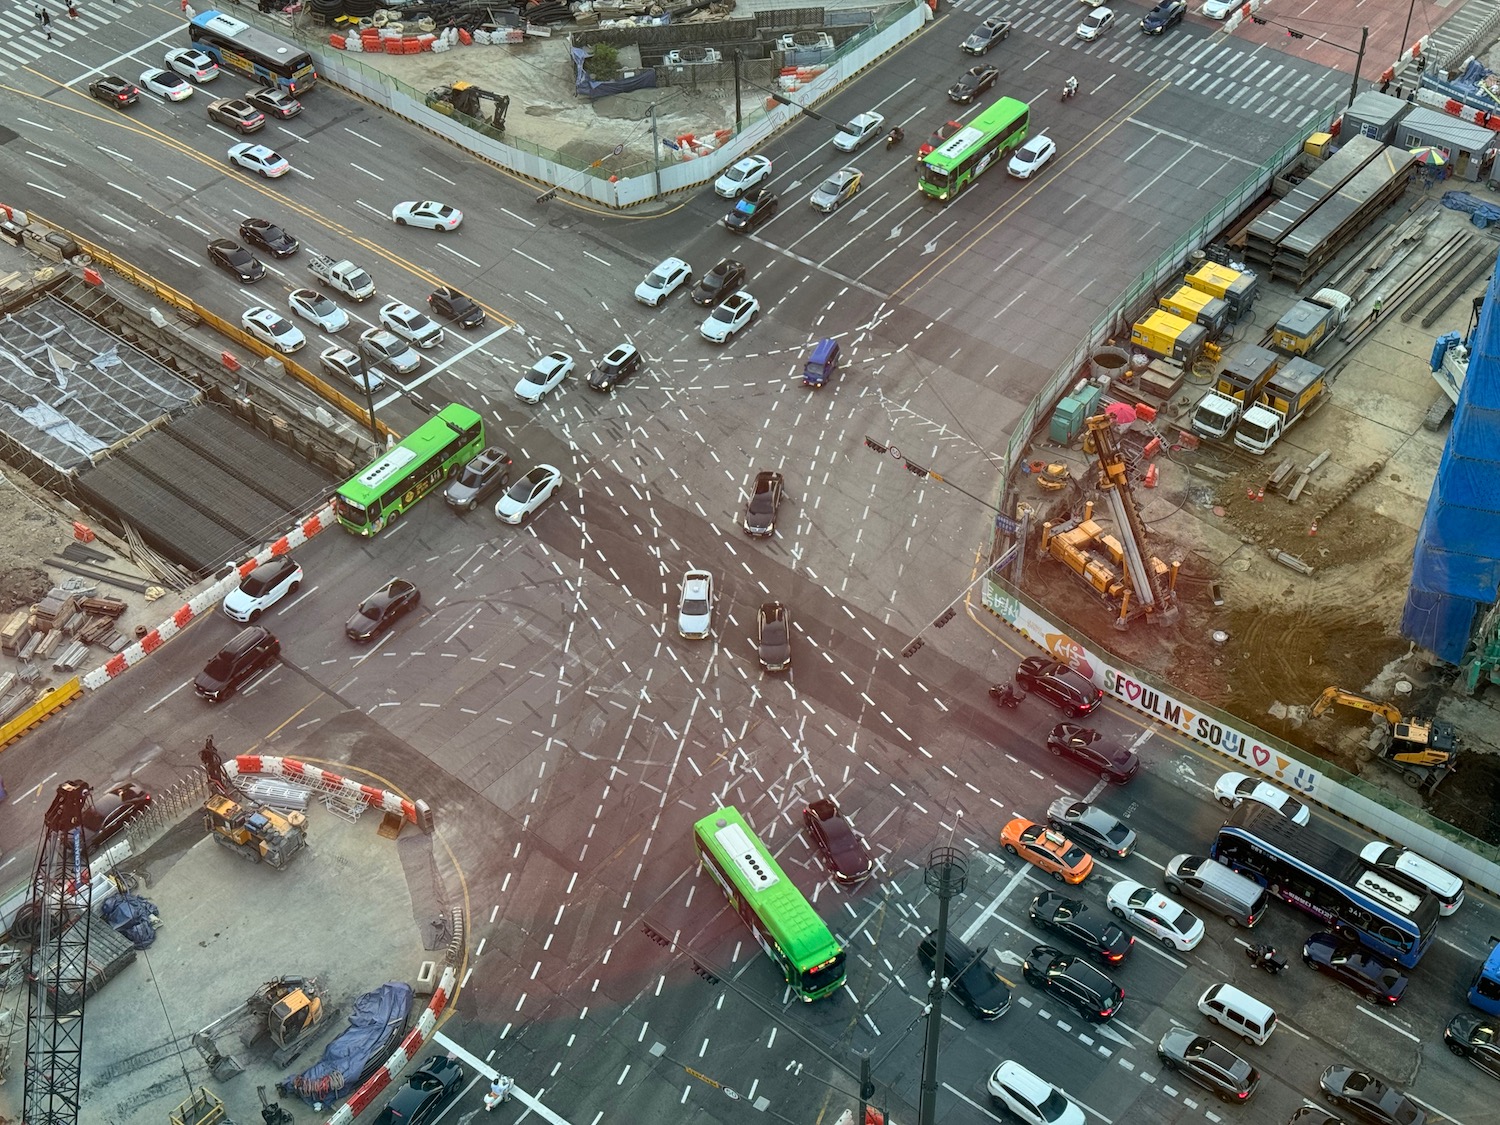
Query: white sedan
[
  {"x": 270, "y": 327},
  {"x": 663, "y": 281},
  {"x": 411, "y": 325},
  {"x": 386, "y": 347},
  {"x": 258, "y": 158},
  {"x": 311, "y": 305},
  {"x": 1220, "y": 9},
  {"x": 166, "y": 84},
  {"x": 743, "y": 175},
  {"x": 523, "y": 498},
  {"x": 433, "y": 216},
  {"x": 546, "y": 374},
  {"x": 1031, "y": 157},
  {"x": 732, "y": 314},
  {"x": 1233, "y": 788},
  {"x": 862, "y": 128},
  {"x": 193, "y": 63},
  {"x": 695, "y": 605},
  {"x": 1167, "y": 921},
  {"x": 1095, "y": 24}
]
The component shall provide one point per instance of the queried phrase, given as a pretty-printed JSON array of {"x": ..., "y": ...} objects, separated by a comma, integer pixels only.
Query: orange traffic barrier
[
  {"x": 229, "y": 361},
  {"x": 464, "y": 37},
  {"x": 339, "y": 42},
  {"x": 83, "y": 532}
]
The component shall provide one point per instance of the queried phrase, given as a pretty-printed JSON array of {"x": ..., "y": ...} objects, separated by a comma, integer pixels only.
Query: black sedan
[
  {"x": 973, "y": 82},
  {"x": 235, "y": 260},
  {"x": 1475, "y": 1040},
  {"x": 1092, "y": 931},
  {"x": 751, "y": 211},
  {"x": 1087, "y": 747},
  {"x": 773, "y": 637},
  {"x": 425, "y": 1092},
  {"x": 109, "y": 813},
  {"x": 1166, "y": 14},
  {"x": 1370, "y": 1099},
  {"x": 380, "y": 610},
  {"x": 986, "y": 35},
  {"x": 760, "y": 513},
  {"x": 269, "y": 237},
  {"x": 1059, "y": 685},
  {"x": 719, "y": 282},
  {"x": 1356, "y": 966},
  {"x": 449, "y": 302},
  {"x": 843, "y": 851}
]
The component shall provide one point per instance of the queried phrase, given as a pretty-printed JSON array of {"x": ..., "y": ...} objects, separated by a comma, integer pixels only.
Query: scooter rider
[
  {"x": 895, "y": 137},
  {"x": 1070, "y": 87},
  {"x": 1006, "y": 695}
]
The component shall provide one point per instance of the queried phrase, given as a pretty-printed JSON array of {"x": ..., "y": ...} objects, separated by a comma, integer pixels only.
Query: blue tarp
[
  {"x": 375, "y": 1028},
  {"x": 131, "y": 915},
  {"x": 1456, "y": 563},
  {"x": 583, "y": 84}
]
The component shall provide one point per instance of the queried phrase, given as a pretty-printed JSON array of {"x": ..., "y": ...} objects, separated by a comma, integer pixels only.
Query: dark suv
[
  {"x": 1217, "y": 1069},
  {"x": 1075, "y": 982},
  {"x": 449, "y": 302},
  {"x": 719, "y": 282},
  {"x": 616, "y": 367},
  {"x": 247, "y": 653},
  {"x": 1067, "y": 690},
  {"x": 115, "y": 90},
  {"x": 478, "y": 479},
  {"x": 975, "y": 981},
  {"x": 237, "y": 114}
]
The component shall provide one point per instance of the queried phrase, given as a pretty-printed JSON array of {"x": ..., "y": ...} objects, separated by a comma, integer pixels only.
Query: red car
[{"x": 939, "y": 135}]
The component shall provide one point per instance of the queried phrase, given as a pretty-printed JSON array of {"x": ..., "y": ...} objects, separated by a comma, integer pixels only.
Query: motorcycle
[
  {"x": 1069, "y": 92},
  {"x": 1006, "y": 695},
  {"x": 894, "y": 138},
  {"x": 1265, "y": 957}
]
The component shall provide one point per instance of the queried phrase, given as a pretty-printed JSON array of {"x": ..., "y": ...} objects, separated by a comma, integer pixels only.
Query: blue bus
[
  {"x": 1316, "y": 875},
  {"x": 252, "y": 53}
]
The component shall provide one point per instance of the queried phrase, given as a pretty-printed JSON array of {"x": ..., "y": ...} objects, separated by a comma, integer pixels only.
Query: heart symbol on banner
[
  {"x": 1132, "y": 690},
  {"x": 1260, "y": 754}
]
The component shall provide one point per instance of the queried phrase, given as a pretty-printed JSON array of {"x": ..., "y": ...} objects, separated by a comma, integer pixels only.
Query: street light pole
[
  {"x": 1359, "y": 62},
  {"x": 655, "y": 150},
  {"x": 364, "y": 375},
  {"x": 737, "y": 115},
  {"x": 946, "y": 875}
]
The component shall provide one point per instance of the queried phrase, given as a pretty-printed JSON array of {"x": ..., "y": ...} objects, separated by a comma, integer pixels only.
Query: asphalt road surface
[{"x": 542, "y": 701}]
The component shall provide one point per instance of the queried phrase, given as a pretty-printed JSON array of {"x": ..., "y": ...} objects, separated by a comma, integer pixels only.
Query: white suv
[
  {"x": 1030, "y": 1099},
  {"x": 695, "y": 606},
  {"x": 262, "y": 588}
]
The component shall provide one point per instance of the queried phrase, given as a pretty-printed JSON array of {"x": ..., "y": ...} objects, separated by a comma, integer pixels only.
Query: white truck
[{"x": 343, "y": 275}]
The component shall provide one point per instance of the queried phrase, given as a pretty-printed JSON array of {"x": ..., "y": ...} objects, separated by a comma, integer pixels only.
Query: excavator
[
  {"x": 463, "y": 98},
  {"x": 261, "y": 835},
  {"x": 289, "y": 1010},
  {"x": 1422, "y": 752}
]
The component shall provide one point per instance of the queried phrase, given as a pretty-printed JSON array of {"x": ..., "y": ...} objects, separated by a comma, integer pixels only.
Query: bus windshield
[
  {"x": 252, "y": 53},
  {"x": 960, "y": 160}
]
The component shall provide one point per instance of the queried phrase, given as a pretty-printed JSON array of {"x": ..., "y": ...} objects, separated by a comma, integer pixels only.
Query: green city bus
[
  {"x": 784, "y": 923},
  {"x": 409, "y": 470},
  {"x": 960, "y": 160}
]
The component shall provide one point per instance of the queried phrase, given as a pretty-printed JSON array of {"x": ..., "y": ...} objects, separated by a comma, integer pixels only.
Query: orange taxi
[{"x": 1051, "y": 851}]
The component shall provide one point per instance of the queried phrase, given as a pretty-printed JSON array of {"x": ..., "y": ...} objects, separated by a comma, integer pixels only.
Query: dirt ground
[{"x": 1286, "y": 635}]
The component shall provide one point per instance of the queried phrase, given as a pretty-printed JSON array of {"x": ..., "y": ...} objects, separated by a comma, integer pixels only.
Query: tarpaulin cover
[
  {"x": 1456, "y": 563},
  {"x": 584, "y": 84},
  {"x": 131, "y": 915},
  {"x": 375, "y": 1028}
]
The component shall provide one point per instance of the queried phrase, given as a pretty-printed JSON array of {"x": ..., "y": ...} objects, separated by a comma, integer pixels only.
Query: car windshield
[
  {"x": 695, "y": 600},
  {"x": 773, "y": 633},
  {"x": 830, "y": 187},
  {"x": 760, "y": 503},
  {"x": 1054, "y": 1107},
  {"x": 520, "y": 491},
  {"x": 219, "y": 667},
  {"x": 659, "y": 279},
  {"x": 724, "y": 313},
  {"x": 737, "y": 173},
  {"x": 1031, "y": 150},
  {"x": 745, "y": 207},
  {"x": 257, "y": 583},
  {"x": 322, "y": 306},
  {"x": 473, "y": 476}
]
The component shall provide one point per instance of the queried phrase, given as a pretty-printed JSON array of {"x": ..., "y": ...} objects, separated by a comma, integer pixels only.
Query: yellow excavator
[
  {"x": 288, "y": 1011},
  {"x": 1422, "y": 752}
]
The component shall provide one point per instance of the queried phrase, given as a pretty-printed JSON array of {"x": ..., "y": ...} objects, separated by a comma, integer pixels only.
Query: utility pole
[
  {"x": 946, "y": 876},
  {"x": 738, "y": 117},
  {"x": 655, "y": 150},
  {"x": 364, "y": 375},
  {"x": 1364, "y": 36}
]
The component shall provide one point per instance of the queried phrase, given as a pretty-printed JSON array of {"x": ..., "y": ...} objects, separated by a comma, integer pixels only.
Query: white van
[{"x": 1240, "y": 1012}]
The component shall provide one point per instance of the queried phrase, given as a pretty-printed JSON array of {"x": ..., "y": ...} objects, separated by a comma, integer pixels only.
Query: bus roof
[
  {"x": 998, "y": 117},
  {"x": 782, "y": 908}
]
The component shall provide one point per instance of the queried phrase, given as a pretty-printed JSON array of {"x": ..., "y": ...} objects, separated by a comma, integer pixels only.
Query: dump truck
[
  {"x": 1198, "y": 307},
  {"x": 1311, "y": 321},
  {"x": 1237, "y": 288},
  {"x": 1292, "y": 394},
  {"x": 1240, "y": 382},
  {"x": 1423, "y": 752},
  {"x": 342, "y": 275},
  {"x": 1169, "y": 336}
]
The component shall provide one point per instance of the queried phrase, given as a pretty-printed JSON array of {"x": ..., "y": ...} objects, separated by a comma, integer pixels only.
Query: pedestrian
[
  {"x": 39, "y": 15},
  {"x": 72, "y": 11},
  {"x": 1385, "y": 84}
]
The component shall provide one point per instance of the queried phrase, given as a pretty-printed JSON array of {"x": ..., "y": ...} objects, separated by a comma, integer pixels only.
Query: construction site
[
  {"x": 1275, "y": 424},
  {"x": 175, "y": 967}
]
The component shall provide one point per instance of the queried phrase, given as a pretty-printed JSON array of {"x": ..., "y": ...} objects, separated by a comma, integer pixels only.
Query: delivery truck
[
  {"x": 1239, "y": 384},
  {"x": 1292, "y": 394}
]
